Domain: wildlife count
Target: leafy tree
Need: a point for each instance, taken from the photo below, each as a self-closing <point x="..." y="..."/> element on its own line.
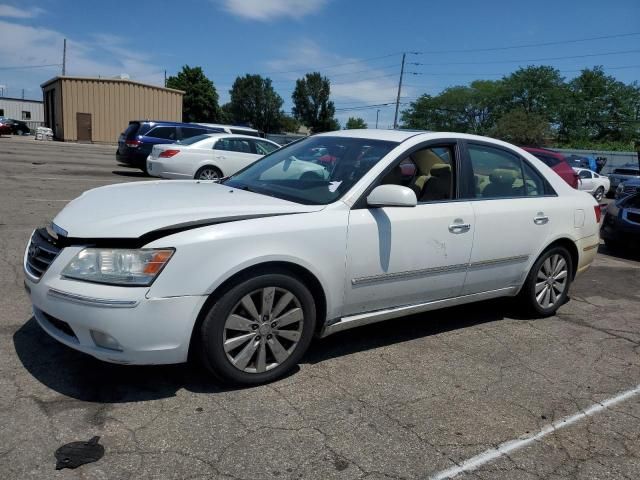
<point x="534" y="89"/>
<point x="255" y="102"/>
<point x="522" y="128"/>
<point x="601" y="109"/>
<point x="311" y="104"/>
<point x="355" y="122"/>
<point x="200" y="101"/>
<point x="289" y="124"/>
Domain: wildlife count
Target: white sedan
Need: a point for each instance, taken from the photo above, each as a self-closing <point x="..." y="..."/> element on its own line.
<point x="207" y="157"/>
<point x="335" y="231"/>
<point x="592" y="182"/>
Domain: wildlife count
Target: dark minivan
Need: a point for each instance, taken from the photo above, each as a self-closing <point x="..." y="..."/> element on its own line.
<point x="136" y="142"/>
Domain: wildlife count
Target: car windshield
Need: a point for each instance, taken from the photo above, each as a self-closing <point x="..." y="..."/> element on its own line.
<point x="314" y="171"/>
<point x="192" y="140"/>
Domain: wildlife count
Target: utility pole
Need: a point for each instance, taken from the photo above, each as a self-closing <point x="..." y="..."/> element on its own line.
<point x="395" y="118"/>
<point x="64" y="57"/>
<point x="165" y="78"/>
<point x="377" y="113"/>
<point x="23" y="94"/>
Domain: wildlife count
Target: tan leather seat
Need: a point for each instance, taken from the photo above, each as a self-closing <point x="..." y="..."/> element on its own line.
<point x="438" y="185"/>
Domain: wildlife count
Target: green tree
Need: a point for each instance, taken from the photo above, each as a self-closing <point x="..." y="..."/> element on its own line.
<point x="289" y="124"/>
<point x="255" y="102"/>
<point x="468" y="109"/>
<point x="522" y="128"/>
<point x="600" y="109"/>
<point x="311" y="104"/>
<point x="200" y="101"/>
<point x="355" y="122"/>
<point x="534" y="89"/>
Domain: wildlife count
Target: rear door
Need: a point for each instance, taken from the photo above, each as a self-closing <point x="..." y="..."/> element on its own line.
<point x="232" y="154"/>
<point x="515" y="211"/>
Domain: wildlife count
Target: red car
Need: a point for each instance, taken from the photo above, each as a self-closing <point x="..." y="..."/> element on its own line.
<point x="5" y="128"/>
<point x="557" y="162"/>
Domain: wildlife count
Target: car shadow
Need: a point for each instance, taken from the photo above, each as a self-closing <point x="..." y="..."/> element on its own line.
<point x="84" y="378"/>
<point x="130" y="173"/>
<point x="622" y="254"/>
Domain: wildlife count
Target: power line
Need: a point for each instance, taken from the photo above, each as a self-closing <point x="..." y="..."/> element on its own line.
<point x="529" y="45"/>
<point x="27" y="67"/>
<point x="619" y="52"/>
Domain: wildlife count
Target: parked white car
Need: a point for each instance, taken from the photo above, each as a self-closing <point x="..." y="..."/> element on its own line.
<point x="208" y="156"/>
<point x="332" y="232"/>
<point x="592" y="182"/>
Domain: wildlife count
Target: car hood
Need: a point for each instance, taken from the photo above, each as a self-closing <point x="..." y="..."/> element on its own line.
<point x="131" y="210"/>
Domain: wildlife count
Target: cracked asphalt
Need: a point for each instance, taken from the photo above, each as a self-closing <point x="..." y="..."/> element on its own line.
<point x="398" y="400"/>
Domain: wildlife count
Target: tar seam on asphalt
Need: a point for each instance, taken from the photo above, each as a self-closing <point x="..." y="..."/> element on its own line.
<point x="512" y="445"/>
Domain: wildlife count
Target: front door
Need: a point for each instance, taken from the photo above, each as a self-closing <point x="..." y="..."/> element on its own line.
<point x="406" y="255"/>
<point x="83" y="122"/>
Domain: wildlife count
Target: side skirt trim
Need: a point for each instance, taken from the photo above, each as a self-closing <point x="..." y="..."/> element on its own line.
<point x="367" y="318"/>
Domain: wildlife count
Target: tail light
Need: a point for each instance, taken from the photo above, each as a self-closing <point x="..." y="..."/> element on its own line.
<point x="598" y="210"/>
<point x="133" y="143"/>
<point x="168" y="153"/>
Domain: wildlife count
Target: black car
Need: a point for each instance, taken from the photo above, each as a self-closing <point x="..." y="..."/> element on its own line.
<point x="621" y="224"/>
<point x="18" y="127"/>
<point x="136" y="142"/>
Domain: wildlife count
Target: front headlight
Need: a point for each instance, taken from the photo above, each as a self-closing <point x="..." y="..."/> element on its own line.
<point x="118" y="266"/>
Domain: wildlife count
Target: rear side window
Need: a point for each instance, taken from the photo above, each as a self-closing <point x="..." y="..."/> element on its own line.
<point x="498" y="173"/>
<point x="585" y="174"/>
<point x="167" y="133"/>
<point x="233" y="145"/>
<point x="548" y="160"/>
<point x="188" y="132"/>
<point x="264" y="148"/>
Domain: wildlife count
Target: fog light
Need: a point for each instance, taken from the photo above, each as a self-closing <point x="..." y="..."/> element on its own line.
<point x="103" y="340"/>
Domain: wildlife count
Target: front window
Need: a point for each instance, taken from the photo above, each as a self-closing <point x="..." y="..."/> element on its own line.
<point x="314" y="171"/>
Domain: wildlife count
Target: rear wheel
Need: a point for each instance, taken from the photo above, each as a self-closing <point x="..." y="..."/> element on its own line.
<point x="258" y="330"/>
<point x="547" y="284"/>
<point x="599" y="193"/>
<point x="208" y="173"/>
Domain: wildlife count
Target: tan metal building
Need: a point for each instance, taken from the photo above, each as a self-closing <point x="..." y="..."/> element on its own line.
<point x="87" y="109"/>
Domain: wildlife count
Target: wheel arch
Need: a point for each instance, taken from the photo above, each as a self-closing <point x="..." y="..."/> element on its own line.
<point x="277" y="266"/>
<point x="571" y="247"/>
<point x="206" y="164"/>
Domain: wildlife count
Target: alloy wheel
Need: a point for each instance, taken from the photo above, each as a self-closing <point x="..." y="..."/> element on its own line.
<point x="209" y="174"/>
<point x="263" y="330"/>
<point x="551" y="281"/>
<point x="599" y="194"/>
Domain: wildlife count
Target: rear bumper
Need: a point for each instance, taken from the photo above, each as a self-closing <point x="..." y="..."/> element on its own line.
<point x="132" y="159"/>
<point x="587" y="251"/>
<point x="158" y="168"/>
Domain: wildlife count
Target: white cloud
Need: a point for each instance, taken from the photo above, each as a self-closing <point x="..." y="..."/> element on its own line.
<point x="9" y="11"/>
<point x="265" y="10"/>
<point x="101" y="55"/>
<point x="374" y="82"/>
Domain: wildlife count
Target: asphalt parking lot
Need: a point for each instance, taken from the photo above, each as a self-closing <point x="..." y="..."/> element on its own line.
<point x="410" y="398"/>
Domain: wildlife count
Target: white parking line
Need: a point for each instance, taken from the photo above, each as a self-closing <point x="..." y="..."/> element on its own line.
<point x="513" y="445"/>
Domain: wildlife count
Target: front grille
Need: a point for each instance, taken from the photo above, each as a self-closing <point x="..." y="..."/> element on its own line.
<point x="60" y="325"/>
<point x="43" y="249"/>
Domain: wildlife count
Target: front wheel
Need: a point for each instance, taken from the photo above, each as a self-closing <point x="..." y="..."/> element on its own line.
<point x="258" y="330"/>
<point x="599" y="194"/>
<point x="547" y="284"/>
<point x="208" y="173"/>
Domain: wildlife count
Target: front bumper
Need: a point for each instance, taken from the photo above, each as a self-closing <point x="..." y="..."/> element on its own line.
<point x="147" y="330"/>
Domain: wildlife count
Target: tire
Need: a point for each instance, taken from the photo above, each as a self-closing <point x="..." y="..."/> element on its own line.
<point x="538" y="282"/>
<point x="19" y="132"/>
<point x="239" y="339"/>
<point x="208" y="173"/>
<point x="599" y="194"/>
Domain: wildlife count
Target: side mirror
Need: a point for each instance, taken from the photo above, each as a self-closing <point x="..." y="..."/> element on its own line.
<point x="392" y="196"/>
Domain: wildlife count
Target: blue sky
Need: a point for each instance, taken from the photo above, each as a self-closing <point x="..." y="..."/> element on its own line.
<point x="357" y="43"/>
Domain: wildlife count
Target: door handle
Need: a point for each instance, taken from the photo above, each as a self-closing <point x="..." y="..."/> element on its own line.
<point x="540" y="219"/>
<point x="459" y="227"/>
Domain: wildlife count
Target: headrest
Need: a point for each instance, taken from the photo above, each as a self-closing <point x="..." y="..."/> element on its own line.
<point x="503" y="176"/>
<point x="440" y="170"/>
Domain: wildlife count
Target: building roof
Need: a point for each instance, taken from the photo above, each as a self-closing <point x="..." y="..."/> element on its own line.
<point x="13" y="99"/>
<point x="107" y="79"/>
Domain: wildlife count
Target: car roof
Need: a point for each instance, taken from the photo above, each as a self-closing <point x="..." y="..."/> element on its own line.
<point x="221" y="125"/>
<point x="238" y="135"/>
